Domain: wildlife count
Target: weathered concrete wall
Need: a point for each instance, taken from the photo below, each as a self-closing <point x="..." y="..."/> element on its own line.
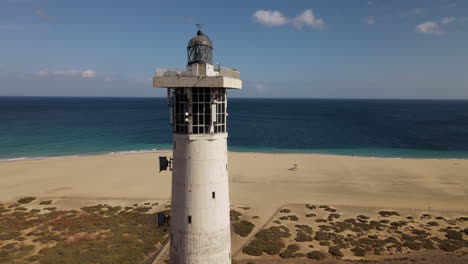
<point x="200" y="192"/>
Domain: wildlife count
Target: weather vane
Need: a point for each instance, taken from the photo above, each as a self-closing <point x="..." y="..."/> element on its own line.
<point x="200" y="26"/>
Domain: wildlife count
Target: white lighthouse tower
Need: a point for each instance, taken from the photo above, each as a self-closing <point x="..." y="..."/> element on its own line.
<point x="200" y="227"/>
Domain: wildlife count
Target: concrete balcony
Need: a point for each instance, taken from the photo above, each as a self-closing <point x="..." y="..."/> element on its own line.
<point x="203" y="75"/>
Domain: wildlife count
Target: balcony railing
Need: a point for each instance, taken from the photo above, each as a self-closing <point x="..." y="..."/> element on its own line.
<point x="194" y="72"/>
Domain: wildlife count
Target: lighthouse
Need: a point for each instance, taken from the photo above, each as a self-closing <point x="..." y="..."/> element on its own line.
<point x="197" y="102"/>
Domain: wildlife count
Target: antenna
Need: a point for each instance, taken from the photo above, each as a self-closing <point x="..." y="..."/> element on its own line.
<point x="199" y="26"/>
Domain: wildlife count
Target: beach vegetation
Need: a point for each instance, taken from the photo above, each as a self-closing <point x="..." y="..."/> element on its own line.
<point x="235" y="215"/>
<point x="333" y="216"/>
<point x="290" y="252"/>
<point x="48" y="202"/>
<point x="254" y="248"/>
<point x="273" y="247"/>
<point x="363" y="217"/>
<point x="359" y="251"/>
<point x="388" y="213"/>
<point x="316" y="255"/>
<point x="303" y="236"/>
<point x="335" y="251"/>
<point x="85" y="236"/>
<point x="268" y="240"/>
<point x="452" y="234"/>
<point x="243" y="228"/>
<point x="26" y="200"/>
<point x="450" y="245"/>
<point x="322" y="236"/>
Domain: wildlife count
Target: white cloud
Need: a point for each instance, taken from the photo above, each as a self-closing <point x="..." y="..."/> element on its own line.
<point x="270" y="18"/>
<point x="370" y="20"/>
<point x="429" y="27"/>
<point x="86" y="74"/>
<point x="42" y="13"/>
<point x="307" y="18"/>
<point x="448" y="20"/>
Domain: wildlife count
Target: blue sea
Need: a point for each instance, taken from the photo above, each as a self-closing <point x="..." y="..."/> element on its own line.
<point x="38" y="127"/>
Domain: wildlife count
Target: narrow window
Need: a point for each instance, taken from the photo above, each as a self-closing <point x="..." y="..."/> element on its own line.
<point x="213" y="195"/>
<point x="189" y="219"/>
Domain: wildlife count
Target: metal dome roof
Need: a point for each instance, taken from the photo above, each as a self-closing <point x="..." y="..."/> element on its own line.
<point x="200" y="39"/>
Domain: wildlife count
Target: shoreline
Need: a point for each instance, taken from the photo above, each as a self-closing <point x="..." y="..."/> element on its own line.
<point x="129" y="152"/>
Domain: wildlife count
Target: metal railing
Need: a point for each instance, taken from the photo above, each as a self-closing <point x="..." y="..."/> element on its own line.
<point x="194" y="72"/>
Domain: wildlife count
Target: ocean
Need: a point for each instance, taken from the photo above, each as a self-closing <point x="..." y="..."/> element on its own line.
<point x="40" y="127"/>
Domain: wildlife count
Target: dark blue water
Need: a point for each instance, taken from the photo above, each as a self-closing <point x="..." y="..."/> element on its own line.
<point x="43" y="127"/>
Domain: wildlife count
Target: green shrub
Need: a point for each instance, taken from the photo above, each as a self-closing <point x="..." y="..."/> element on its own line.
<point x="451" y="245"/>
<point x="142" y="209"/>
<point x="333" y="216"/>
<point x="452" y="234"/>
<point x="285" y="210"/>
<point x="317" y="255"/>
<point x="243" y="228"/>
<point x="388" y="213"/>
<point x="302" y="236"/>
<point x="289" y="251"/>
<point x="26" y="200"/>
<point x="335" y="251"/>
<point x="363" y="217"/>
<point x="273" y="233"/>
<point x="358" y="251"/>
<point x="320" y="236"/>
<point x="412" y="245"/>
<point x="428" y="244"/>
<point x="255" y="248"/>
<point x="234" y="215"/>
<point x="46" y="202"/>
<point x="273" y="247"/>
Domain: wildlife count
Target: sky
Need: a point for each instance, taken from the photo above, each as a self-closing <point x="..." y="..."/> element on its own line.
<point x="386" y="49"/>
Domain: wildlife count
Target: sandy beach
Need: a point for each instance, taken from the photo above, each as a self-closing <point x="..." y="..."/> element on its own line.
<point x="262" y="182"/>
<point x="256" y="179"/>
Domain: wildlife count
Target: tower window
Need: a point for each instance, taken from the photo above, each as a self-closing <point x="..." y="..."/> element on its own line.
<point x="189" y="219"/>
<point x="213" y="195"/>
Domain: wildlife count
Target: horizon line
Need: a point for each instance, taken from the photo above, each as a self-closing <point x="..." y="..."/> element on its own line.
<point x="269" y="98"/>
